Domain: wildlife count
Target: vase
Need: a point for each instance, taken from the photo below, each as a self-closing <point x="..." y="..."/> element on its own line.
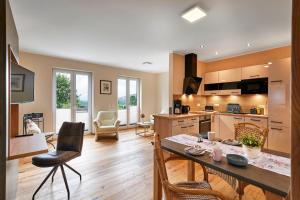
<point x="251" y="152"/>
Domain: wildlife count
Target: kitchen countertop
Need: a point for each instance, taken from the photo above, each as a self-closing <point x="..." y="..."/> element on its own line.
<point x="231" y="114"/>
<point x="179" y="116"/>
<point x="201" y="113"/>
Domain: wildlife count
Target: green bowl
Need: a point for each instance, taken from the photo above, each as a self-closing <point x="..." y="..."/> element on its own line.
<point x="237" y="160"/>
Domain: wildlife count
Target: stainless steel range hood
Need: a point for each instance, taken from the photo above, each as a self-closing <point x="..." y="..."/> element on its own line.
<point x="191" y="82"/>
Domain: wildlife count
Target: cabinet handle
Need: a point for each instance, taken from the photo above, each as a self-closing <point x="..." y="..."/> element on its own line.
<point x="238" y="118"/>
<point x="184" y="127"/>
<point x="278" y="129"/>
<point x="255" y="120"/>
<point x="180" y="120"/>
<point x="191" y="125"/>
<point x="194" y="119"/>
<point x="275" y="122"/>
<point x="254" y="76"/>
<point x="276" y="81"/>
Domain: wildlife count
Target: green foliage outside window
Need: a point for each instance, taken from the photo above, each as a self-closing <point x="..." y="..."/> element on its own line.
<point x="63" y="91"/>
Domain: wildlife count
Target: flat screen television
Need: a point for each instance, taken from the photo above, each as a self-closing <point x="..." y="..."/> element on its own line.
<point x="21" y="84"/>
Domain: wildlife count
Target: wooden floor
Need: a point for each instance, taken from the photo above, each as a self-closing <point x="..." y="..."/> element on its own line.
<point x="112" y="170"/>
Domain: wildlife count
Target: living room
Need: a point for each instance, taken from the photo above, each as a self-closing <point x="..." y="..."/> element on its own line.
<point x="93" y="93"/>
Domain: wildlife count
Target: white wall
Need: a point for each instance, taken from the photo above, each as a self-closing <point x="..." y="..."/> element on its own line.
<point x="43" y="66"/>
<point x="163" y="92"/>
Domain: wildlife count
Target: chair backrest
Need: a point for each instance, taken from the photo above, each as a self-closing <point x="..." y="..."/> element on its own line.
<point x="107" y="118"/>
<point x="160" y="162"/>
<point x="70" y="137"/>
<point x="241" y="129"/>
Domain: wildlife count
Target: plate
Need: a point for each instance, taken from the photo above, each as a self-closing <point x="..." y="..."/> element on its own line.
<point x="237" y="160"/>
<point x="195" y="152"/>
<point x="232" y="142"/>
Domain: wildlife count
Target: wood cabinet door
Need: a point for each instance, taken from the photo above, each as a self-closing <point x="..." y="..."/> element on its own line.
<point x="215" y="124"/>
<point x="227" y="125"/>
<point x="230" y="92"/>
<point x="261" y="122"/>
<point x="194" y="128"/>
<point x="256" y="71"/>
<point x="279" y="139"/>
<point x="280" y="71"/>
<point x="230" y="75"/>
<point x="211" y="77"/>
<point x="211" y="92"/>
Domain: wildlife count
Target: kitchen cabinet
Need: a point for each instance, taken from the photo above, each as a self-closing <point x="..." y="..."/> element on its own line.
<point x="215" y="124"/>
<point x="256" y="71"/>
<point x="230" y="75"/>
<point x="279" y="139"/>
<point x="230" y="92"/>
<point x="279" y="105"/>
<point x="185" y="126"/>
<point x="211" y="92"/>
<point x="211" y="77"/>
<point x="259" y="121"/>
<point x="227" y="125"/>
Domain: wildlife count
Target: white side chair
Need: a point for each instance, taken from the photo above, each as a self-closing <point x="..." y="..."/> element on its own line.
<point x="106" y="123"/>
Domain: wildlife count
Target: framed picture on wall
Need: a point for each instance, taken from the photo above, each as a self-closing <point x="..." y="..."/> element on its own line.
<point x="105" y="87"/>
<point x="17" y="82"/>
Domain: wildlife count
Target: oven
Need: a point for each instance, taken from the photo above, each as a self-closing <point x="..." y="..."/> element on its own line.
<point x="204" y="124"/>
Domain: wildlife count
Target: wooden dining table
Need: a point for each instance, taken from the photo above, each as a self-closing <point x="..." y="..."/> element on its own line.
<point x="275" y="185"/>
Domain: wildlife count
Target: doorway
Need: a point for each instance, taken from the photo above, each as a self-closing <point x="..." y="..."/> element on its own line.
<point x="128" y="100"/>
<point x="72" y="97"/>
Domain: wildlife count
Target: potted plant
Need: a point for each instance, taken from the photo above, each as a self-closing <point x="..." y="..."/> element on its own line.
<point x="251" y="145"/>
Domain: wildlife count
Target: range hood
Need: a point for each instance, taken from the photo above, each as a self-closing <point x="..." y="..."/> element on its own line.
<point x="191" y="82"/>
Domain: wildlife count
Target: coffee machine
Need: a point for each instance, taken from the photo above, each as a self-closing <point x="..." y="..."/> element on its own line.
<point x="177" y="107"/>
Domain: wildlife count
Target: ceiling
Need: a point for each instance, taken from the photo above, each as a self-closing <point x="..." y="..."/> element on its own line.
<point x="126" y="33"/>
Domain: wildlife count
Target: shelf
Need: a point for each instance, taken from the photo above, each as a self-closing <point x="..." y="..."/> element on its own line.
<point x="21" y="147"/>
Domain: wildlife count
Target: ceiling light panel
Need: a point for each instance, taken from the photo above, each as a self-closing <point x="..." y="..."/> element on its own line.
<point x="194" y="14"/>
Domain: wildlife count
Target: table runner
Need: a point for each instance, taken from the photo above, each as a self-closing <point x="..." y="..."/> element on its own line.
<point x="277" y="164"/>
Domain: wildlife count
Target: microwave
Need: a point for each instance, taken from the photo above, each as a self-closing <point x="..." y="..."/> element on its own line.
<point x="254" y="86"/>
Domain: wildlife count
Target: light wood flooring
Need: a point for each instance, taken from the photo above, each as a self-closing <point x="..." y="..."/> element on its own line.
<point x="113" y="170"/>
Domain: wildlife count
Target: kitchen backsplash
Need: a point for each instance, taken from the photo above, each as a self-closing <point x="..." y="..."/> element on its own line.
<point x="220" y="102"/>
<point x="246" y="102"/>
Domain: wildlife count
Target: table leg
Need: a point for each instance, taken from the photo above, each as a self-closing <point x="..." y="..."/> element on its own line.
<point x="157" y="185"/>
<point x="272" y="196"/>
<point x="191" y="171"/>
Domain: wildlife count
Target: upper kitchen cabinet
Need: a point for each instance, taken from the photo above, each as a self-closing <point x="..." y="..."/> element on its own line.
<point x="230" y="75"/>
<point x="211" y="77"/>
<point x="256" y="71"/>
<point x="177" y="73"/>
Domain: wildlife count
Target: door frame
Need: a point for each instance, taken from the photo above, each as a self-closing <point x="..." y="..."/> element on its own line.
<point x="73" y="73"/>
<point x="3" y="99"/>
<point x="138" y="90"/>
<point x="295" y="108"/>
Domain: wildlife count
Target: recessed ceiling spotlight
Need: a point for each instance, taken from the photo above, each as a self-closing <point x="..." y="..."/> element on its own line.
<point x="217" y="53"/>
<point x="248" y="44"/>
<point x="202" y="46"/>
<point x="270" y="63"/>
<point x="193" y="14"/>
<point x="147" y="63"/>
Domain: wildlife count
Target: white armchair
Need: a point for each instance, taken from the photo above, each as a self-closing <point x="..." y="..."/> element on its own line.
<point x="106" y="123"/>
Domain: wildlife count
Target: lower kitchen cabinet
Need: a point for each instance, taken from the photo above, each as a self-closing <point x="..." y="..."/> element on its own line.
<point x="261" y="122"/>
<point x="227" y="125"/>
<point x="279" y="139"/>
<point x="215" y="124"/>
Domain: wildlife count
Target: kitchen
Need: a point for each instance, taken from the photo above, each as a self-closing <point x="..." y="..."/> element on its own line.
<point x="252" y="88"/>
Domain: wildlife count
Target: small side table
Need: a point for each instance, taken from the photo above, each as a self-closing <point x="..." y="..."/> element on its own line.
<point x="146" y="126"/>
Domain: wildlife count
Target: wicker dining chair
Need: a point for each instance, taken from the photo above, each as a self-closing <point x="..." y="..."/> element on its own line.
<point x="239" y="130"/>
<point x="183" y="190"/>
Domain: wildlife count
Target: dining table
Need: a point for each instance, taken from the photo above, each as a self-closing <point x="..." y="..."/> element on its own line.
<point x="271" y="174"/>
